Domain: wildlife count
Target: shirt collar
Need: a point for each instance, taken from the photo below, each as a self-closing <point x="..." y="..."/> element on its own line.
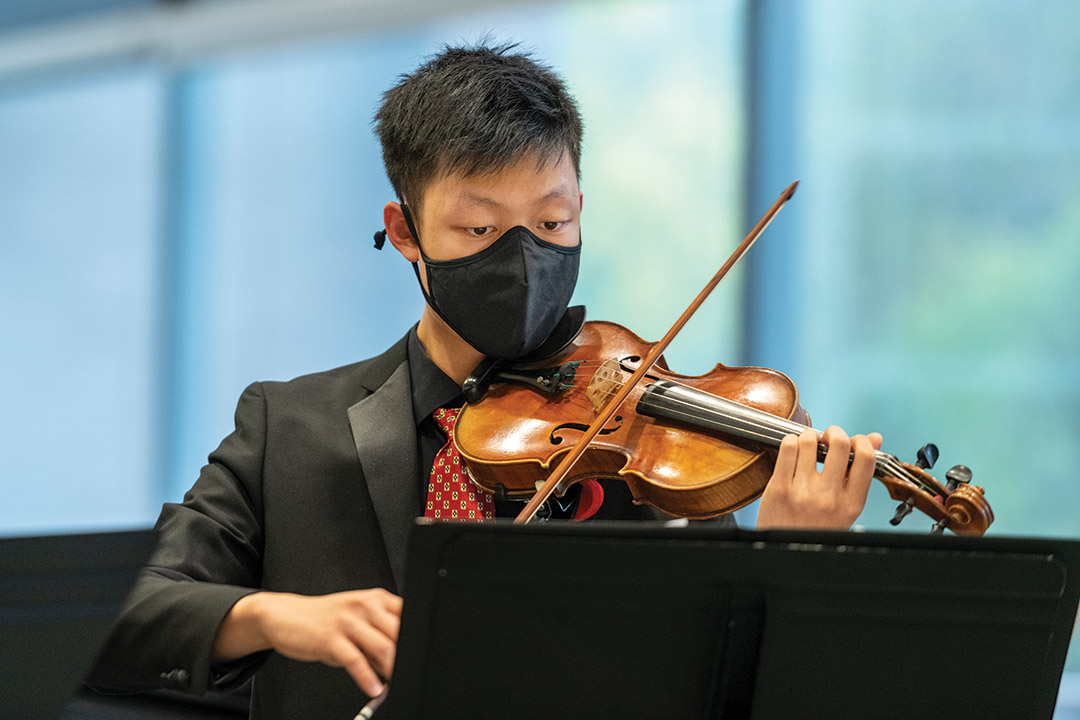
<point x="431" y="387"/>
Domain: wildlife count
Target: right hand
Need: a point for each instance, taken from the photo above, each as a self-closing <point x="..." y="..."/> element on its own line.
<point x="356" y="630"/>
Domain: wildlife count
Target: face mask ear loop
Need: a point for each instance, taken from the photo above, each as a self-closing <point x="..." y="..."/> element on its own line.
<point x="416" y="266"/>
<point x="412" y="228"/>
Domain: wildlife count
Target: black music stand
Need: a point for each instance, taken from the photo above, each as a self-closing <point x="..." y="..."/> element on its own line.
<point x="618" y="620"/>
<point x="59" y="596"/>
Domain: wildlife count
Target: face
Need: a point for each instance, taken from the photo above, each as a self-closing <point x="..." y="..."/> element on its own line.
<point x="461" y="215"/>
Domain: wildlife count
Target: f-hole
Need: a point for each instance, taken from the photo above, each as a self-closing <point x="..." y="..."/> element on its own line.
<point x="555" y="439"/>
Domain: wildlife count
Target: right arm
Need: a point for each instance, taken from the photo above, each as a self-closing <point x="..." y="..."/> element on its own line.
<point x="356" y="630"/>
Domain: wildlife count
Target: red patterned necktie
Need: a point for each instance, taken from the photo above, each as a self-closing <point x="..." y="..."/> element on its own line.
<point x="451" y="493"/>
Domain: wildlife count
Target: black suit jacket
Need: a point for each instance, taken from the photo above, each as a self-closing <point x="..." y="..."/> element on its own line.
<point x="313" y="493"/>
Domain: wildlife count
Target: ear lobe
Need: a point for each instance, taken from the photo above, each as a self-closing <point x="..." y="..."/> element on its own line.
<point x="397" y="231"/>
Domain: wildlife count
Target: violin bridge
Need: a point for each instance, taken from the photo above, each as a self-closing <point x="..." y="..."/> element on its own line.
<point x="605" y="382"/>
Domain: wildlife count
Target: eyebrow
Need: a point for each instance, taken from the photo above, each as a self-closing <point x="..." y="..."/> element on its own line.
<point x="473" y="199"/>
<point x="563" y="191"/>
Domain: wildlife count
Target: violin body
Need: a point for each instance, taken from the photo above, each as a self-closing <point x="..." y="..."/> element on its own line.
<point x="693" y="446"/>
<point x="514" y="435"/>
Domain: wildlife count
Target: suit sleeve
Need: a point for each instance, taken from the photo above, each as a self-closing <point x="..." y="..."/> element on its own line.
<point x="209" y="555"/>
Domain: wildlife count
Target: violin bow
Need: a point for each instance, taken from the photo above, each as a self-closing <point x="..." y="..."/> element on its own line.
<point x="563" y="468"/>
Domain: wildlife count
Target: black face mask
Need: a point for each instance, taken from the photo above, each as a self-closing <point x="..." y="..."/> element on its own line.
<point x="506" y="299"/>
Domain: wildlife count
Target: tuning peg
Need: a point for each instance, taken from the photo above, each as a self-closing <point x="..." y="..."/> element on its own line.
<point x="928" y="455"/>
<point x="958" y="475"/>
<point x="903" y="510"/>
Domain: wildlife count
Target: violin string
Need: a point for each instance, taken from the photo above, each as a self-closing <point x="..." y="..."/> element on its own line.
<point x="690" y="416"/>
<point x="772" y="434"/>
<point x="885" y="464"/>
<point x="764" y="432"/>
<point x="760" y="430"/>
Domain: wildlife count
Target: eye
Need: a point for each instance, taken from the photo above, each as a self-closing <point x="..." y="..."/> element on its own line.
<point x="553" y="225"/>
<point x="479" y="231"/>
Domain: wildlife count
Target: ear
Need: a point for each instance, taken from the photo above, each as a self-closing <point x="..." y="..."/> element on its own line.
<point x="397" y="232"/>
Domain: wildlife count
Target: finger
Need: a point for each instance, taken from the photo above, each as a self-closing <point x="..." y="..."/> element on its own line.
<point x="836" y="461"/>
<point x="383" y="597"/>
<point x="393" y="603"/>
<point x="346" y="655"/>
<point x="386" y="621"/>
<point x="375" y="597"/>
<point x="389" y="620"/>
<point x="378" y="607"/>
<point x="806" y="464"/>
<point x="786" y="459"/>
<point x="876" y="440"/>
<point x="379" y="649"/>
<point x="862" y="467"/>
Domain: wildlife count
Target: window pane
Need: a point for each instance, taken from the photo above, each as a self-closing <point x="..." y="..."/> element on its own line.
<point x="931" y="261"/>
<point x="79" y="214"/>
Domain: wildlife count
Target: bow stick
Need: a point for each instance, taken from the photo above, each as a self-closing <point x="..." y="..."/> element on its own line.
<point x="613" y="405"/>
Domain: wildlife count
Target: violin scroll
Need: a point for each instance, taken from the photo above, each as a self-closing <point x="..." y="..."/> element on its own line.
<point x="969" y="513"/>
<point x="960" y="506"/>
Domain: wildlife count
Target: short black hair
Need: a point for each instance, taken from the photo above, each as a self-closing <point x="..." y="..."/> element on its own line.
<point x="474" y="110"/>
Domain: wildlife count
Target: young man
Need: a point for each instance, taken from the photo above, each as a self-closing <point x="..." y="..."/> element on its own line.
<point x="286" y="554"/>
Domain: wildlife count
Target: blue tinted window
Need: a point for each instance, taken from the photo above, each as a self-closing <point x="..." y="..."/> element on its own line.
<point x="79" y="302"/>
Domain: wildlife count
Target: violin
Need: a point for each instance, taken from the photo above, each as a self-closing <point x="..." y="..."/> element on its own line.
<point x="693" y="446"/>
<point x="604" y="404"/>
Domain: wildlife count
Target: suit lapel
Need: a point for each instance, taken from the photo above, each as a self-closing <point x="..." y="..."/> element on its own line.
<point x="384" y="431"/>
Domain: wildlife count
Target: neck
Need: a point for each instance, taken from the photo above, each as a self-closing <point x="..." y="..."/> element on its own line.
<point x="701" y="409"/>
<point x="447" y="350"/>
